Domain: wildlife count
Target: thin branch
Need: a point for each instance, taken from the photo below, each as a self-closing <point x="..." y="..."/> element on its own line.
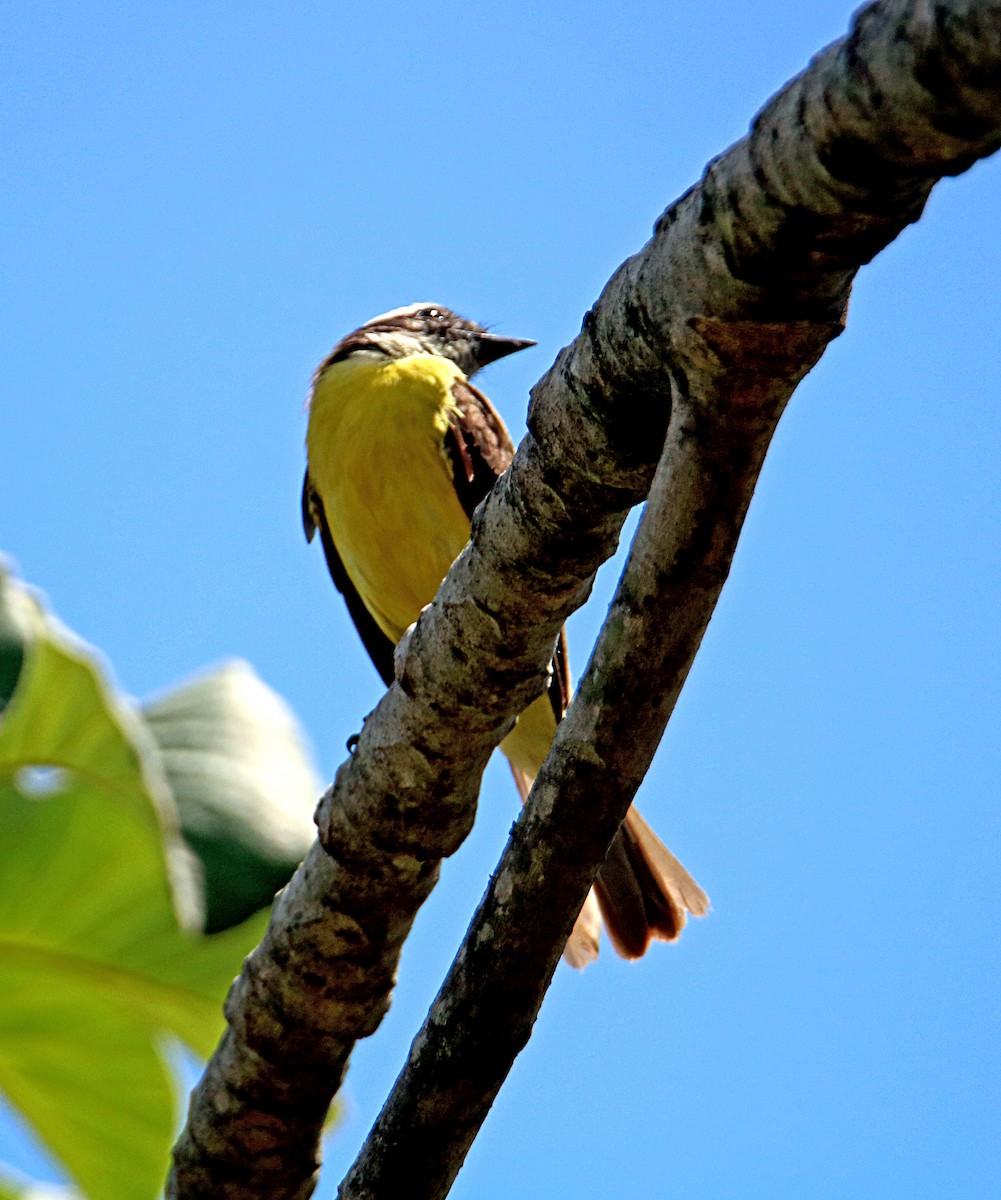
<point x="719" y="433"/>
<point x="744" y="282"/>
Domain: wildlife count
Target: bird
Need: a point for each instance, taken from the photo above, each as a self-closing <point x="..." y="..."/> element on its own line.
<point x="400" y="449"/>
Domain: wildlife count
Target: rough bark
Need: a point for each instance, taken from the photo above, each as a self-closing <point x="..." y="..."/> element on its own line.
<point x="703" y="335"/>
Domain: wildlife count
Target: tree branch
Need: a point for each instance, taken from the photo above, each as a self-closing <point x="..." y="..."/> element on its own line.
<point x="738" y="383"/>
<point x="711" y="325"/>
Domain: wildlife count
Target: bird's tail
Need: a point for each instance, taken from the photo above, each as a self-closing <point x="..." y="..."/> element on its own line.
<point x="642" y="891"/>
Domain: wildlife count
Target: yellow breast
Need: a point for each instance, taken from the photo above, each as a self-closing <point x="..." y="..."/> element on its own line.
<point x="376" y="454"/>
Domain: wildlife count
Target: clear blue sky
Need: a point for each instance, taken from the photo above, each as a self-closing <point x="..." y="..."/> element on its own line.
<point x="200" y="199"/>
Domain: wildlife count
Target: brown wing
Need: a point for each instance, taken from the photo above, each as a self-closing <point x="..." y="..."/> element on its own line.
<point x="378" y="645"/>
<point x="480" y="450"/>
<point x="477" y="443"/>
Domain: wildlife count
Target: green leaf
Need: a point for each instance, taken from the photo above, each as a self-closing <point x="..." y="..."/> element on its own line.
<point x="244" y="785"/>
<point x="95" y="969"/>
<point x="15" y="627"/>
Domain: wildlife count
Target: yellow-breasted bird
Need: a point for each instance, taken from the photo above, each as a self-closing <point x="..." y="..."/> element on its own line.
<point x="401" y="448"/>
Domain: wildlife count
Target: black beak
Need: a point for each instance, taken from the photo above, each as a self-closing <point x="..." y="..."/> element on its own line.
<point x="490" y="347"/>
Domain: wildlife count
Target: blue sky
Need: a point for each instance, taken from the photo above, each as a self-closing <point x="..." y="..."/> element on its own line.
<point x="202" y="199"/>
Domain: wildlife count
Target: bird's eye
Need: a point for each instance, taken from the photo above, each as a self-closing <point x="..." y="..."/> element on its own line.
<point x="431" y="314"/>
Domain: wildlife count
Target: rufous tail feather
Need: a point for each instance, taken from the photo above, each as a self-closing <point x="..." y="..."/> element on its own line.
<point x="642" y="891"/>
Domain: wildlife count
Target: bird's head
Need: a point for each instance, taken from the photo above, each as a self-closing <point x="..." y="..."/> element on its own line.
<point x="427" y="329"/>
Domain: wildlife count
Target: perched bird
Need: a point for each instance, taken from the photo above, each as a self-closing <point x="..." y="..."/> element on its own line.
<point x="401" y="448"/>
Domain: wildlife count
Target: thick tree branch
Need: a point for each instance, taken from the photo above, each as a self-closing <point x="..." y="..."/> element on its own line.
<point x="720" y="315"/>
